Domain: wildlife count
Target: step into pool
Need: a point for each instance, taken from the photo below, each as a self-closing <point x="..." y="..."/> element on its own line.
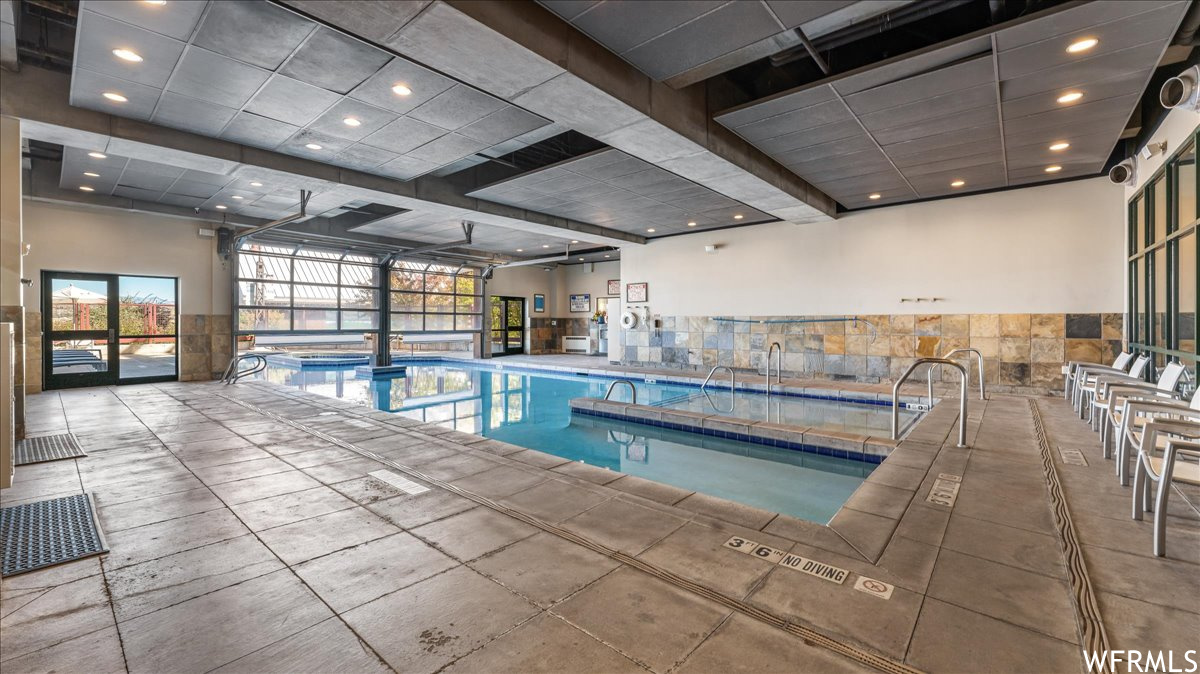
<point x="530" y="408"/>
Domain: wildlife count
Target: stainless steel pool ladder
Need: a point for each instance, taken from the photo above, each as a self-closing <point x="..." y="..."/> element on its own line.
<point x="732" y="377"/>
<point x="962" y="395"/>
<point x="778" y="365"/>
<point x="233" y="372"/>
<point x="632" y="390"/>
<point x="978" y="362"/>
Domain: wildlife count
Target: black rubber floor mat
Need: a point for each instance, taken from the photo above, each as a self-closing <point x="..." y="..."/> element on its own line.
<point x="45" y="533"/>
<point x="48" y="448"/>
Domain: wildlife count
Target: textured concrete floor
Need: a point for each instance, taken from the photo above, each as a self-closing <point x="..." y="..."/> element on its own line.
<point x="240" y="543"/>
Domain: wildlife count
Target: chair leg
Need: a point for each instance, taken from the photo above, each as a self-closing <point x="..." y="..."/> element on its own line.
<point x="1139" y="487"/>
<point x="1123" y="451"/>
<point x="1106" y="438"/>
<point x="1160" y="505"/>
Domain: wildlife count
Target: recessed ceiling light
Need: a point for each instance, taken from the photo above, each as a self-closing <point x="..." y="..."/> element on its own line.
<point x="238" y="197"/>
<point x="1060" y="146"/>
<point x="650" y="230"/>
<point x="520" y="250"/>
<point x="1053" y="169"/>
<point x="155" y="2"/>
<point x="85" y="188"/>
<point x="221" y="207"/>
<point x="875" y="196"/>
<point x="401" y="89"/>
<point x="314" y="146"/>
<point x="1070" y="97"/>
<point x="545" y="245"/>
<point x="91" y="174"/>
<point x="1082" y="45"/>
<point x="113" y="96"/>
<point x="691" y="224"/>
<point x="256" y="184"/>
<point x="739" y="216"/>
<point x="581" y="259"/>
<point x="350" y="121"/>
<point x="574" y="242"/>
<point x="607" y="256"/>
<point x="127" y="55"/>
<point x="98" y="155"/>
<point x="958" y="183"/>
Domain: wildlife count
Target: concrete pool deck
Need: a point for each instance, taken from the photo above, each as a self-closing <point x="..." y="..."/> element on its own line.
<point x="242" y="541"/>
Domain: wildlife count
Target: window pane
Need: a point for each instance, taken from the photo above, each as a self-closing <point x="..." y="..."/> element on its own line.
<point x="360" y="298"/>
<point x="265" y="267"/>
<point x="147" y="305"/>
<point x="324" y="297"/>
<point x="77" y="304"/>
<point x="408" y="302"/>
<point x="1159" y="213"/>
<point x="150" y="357"/>
<point x="441" y="304"/>
<point x="468" y="285"/>
<point x="78" y="356"/>
<point x="313" y="271"/>
<point x="468" y="322"/>
<point x="1186" y="312"/>
<point x="1186" y="182"/>
<point x="1160" y="297"/>
<point x="408" y="280"/>
<point x="438" y="322"/>
<point x="439" y="283"/>
<point x="258" y="294"/>
<point x="468" y="304"/>
<point x="316" y="319"/>
<point x="1138" y="230"/>
<point x="355" y="275"/>
<point x="360" y="320"/>
<point x="264" y="319"/>
<point x="401" y="322"/>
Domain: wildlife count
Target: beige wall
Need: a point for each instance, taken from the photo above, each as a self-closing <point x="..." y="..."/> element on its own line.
<point x="1054" y="248"/>
<point x="576" y="279"/>
<point x="10" y="211"/>
<point x="76" y="238"/>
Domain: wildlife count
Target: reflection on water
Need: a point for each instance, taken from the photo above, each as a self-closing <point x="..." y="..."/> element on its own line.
<point x="532" y="411"/>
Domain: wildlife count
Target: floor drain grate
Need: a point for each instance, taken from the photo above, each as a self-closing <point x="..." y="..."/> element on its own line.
<point x="45" y="533"/>
<point x="48" y="448"/>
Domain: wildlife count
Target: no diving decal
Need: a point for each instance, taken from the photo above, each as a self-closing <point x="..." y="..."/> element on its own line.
<point x="791" y="561"/>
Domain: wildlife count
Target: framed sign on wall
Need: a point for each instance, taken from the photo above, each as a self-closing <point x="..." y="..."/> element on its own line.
<point x="636" y="292"/>
<point x="581" y="303"/>
<point x="539" y="304"/>
<point x="614" y="287"/>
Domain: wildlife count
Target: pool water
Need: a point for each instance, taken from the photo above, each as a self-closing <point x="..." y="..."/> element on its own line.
<point x="530" y="409"/>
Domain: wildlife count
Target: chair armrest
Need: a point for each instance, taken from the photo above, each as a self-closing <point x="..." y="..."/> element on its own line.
<point x="1189" y="429"/>
<point x="1116" y="396"/>
<point x="1146" y="408"/>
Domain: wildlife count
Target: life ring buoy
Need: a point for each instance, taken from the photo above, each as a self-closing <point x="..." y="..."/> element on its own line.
<point x="629" y="320"/>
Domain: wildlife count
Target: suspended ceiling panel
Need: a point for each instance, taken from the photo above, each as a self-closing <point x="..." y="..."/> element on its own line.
<point x="671" y="40"/>
<point x="983" y="111"/>
<point x="435" y="228"/>
<point x="257" y="74"/>
<point x="610" y="188"/>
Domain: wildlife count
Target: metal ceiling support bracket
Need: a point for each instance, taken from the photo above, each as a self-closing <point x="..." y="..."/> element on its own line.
<point x="305" y="195"/>
<point x="812" y="51"/>
<point x="468" y="227"/>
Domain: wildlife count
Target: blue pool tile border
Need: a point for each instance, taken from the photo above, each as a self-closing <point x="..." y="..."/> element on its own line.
<point x="740" y="437"/>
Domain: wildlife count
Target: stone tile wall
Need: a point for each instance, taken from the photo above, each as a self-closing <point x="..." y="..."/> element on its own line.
<point x="1022" y="352"/>
<point x="547" y="338"/>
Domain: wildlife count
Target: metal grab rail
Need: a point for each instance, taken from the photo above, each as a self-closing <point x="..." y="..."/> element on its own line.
<point x="233" y="373"/>
<point x="732" y="377"/>
<point x="978" y="362"/>
<point x="962" y="396"/>
<point x="713" y="403"/>
<point x="778" y="366"/>
<point x="632" y="390"/>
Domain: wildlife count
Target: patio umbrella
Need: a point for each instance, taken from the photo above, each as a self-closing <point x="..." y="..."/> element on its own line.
<point x="78" y="296"/>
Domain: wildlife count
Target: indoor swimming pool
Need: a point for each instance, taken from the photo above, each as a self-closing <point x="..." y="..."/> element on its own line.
<point x="530" y="409"/>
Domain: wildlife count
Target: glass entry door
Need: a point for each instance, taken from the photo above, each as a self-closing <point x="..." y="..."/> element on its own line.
<point x="508" y="325"/>
<point x="103" y="329"/>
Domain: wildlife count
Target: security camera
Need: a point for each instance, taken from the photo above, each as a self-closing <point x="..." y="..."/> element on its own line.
<point x="1182" y="91"/>
<point x="1152" y="149"/>
<point x="1124" y="173"/>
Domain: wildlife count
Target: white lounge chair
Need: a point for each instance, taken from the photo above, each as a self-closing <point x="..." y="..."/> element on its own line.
<point x="1180" y="462"/>
<point x="1133" y="430"/>
<point x="1165" y="387"/>
<point x="1114" y="396"/>
<point x="1120" y="364"/>
<point x="1086" y="376"/>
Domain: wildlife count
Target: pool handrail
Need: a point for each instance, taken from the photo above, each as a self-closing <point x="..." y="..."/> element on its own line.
<point x="233" y="373"/>
<point x="962" y="396"/>
<point x="978" y="362"/>
<point x="778" y="366"/>
<point x="632" y="390"/>
<point x="732" y="377"/>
